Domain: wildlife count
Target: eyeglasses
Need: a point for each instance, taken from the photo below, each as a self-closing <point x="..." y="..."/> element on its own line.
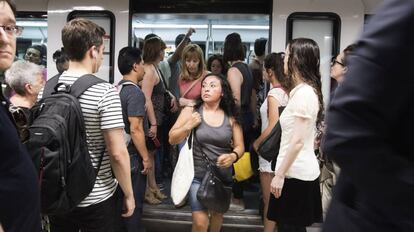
<point x="333" y="61"/>
<point x="12" y="30"/>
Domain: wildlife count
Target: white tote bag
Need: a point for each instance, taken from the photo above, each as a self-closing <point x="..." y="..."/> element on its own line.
<point x="183" y="173"/>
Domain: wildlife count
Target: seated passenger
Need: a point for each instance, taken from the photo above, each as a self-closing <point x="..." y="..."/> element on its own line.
<point x="217" y="135"/>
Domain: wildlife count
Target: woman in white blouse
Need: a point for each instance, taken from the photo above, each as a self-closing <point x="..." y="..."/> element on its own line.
<point x="296" y="201"/>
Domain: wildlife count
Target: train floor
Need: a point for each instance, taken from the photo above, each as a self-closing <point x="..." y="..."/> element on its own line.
<point x="166" y="217"/>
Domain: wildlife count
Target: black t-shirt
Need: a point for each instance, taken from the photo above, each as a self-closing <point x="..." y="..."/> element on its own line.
<point x="19" y="188"/>
<point x="133" y="105"/>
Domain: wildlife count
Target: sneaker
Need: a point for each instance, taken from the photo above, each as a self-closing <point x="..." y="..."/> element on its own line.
<point x="237" y="204"/>
<point x="161" y="186"/>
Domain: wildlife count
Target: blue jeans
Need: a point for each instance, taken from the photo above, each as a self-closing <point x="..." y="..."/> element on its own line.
<point x="192" y="196"/>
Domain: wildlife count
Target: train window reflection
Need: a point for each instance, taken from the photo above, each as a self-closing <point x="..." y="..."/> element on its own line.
<point x="211" y="29"/>
<point x="34" y="33"/>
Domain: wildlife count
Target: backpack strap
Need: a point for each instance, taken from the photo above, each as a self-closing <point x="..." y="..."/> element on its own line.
<point x="83" y="83"/>
<point x="50" y="85"/>
<point x="121" y="86"/>
<point x="78" y="87"/>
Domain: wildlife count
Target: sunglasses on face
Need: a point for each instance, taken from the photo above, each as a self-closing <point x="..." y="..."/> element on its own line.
<point x="21" y="121"/>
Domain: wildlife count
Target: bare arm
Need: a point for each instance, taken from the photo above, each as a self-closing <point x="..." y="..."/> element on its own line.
<point x="119" y="157"/>
<point x="187" y="120"/>
<point x="186" y="102"/>
<point x="235" y="80"/>
<point x="226" y="160"/>
<point x="138" y="137"/>
<point x="253" y="103"/>
<point x="273" y="118"/>
<point x="148" y="84"/>
<point x="179" y="50"/>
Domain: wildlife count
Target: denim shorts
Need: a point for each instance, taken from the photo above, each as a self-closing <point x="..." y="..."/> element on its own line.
<point x="192" y="196"/>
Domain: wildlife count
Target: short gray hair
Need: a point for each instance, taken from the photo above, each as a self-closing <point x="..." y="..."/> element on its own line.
<point x="21" y="73"/>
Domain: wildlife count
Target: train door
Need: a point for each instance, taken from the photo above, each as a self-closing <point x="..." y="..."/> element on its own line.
<point x="213" y="21"/>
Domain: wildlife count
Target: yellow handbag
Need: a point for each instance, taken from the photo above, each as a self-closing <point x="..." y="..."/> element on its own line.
<point x="243" y="168"/>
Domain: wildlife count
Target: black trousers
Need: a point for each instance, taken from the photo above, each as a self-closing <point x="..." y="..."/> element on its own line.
<point x="289" y="228"/>
<point x="139" y="182"/>
<point x="95" y="218"/>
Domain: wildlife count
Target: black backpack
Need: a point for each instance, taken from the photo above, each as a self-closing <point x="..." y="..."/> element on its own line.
<point x="58" y="146"/>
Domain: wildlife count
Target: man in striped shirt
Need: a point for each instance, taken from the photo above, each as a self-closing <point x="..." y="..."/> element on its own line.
<point x="101" y="108"/>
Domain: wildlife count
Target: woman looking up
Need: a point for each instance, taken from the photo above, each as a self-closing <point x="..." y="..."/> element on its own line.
<point x="218" y="136"/>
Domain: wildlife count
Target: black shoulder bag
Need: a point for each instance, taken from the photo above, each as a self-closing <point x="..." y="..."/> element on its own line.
<point x="167" y="96"/>
<point x="213" y="193"/>
<point x="269" y="147"/>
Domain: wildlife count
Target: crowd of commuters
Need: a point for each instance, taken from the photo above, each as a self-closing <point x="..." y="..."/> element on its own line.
<point x="229" y="107"/>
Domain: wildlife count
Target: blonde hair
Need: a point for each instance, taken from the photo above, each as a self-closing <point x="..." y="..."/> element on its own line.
<point x="192" y="50"/>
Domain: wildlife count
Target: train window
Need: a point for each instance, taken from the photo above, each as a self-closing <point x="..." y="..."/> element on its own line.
<point x="105" y="19"/>
<point x="211" y="29"/>
<point x="324" y="28"/>
<point x="34" y="33"/>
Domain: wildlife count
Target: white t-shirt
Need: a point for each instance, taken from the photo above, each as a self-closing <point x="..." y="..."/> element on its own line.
<point x="303" y="102"/>
<point x="282" y="98"/>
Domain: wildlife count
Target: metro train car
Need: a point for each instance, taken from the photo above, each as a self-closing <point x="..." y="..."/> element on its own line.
<point x="333" y="24"/>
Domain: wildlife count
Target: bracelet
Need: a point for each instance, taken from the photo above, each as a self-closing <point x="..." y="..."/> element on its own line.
<point x="153" y="124"/>
<point x="237" y="156"/>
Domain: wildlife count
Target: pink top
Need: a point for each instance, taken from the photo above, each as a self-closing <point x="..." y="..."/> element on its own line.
<point x="194" y="93"/>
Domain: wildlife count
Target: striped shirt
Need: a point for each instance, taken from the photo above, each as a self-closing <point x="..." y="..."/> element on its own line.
<point x="101" y="109"/>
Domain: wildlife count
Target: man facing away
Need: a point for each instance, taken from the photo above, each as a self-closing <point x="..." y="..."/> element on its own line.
<point x="19" y="191"/>
<point x="101" y="108"/>
<point x="370" y="128"/>
<point x="131" y="66"/>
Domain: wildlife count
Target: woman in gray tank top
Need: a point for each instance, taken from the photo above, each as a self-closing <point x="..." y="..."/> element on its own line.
<point x="218" y="134"/>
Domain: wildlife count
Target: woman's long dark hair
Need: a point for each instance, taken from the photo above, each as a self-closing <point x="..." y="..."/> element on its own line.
<point x="304" y="61"/>
<point x="274" y="61"/>
<point x="227" y="102"/>
<point x="233" y="48"/>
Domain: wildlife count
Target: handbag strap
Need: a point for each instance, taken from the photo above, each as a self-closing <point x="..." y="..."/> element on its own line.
<point x="209" y="162"/>
<point x="162" y="79"/>
<point x="191" y="86"/>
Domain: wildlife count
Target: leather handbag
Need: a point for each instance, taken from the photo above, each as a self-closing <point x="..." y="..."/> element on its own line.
<point x="213" y="193"/>
<point x="183" y="174"/>
<point x="269" y="148"/>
